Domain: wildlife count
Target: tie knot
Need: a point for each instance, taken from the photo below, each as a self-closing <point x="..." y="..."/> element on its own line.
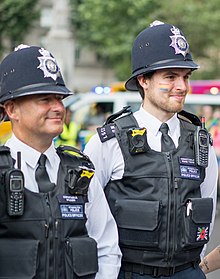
<point x="164" y="128"/>
<point x="42" y="160"/>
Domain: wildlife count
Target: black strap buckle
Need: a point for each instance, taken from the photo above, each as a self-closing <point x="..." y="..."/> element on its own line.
<point x="161" y="271"/>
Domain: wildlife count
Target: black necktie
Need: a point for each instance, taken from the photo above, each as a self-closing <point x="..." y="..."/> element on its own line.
<point x="42" y="177"/>
<point x="167" y="143"/>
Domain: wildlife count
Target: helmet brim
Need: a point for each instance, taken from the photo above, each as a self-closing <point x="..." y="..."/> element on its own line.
<point x="37" y="89"/>
<point x="131" y="83"/>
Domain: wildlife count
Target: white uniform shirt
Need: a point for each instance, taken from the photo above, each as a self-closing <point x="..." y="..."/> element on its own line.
<point x="100" y="224"/>
<point x="109" y="163"/>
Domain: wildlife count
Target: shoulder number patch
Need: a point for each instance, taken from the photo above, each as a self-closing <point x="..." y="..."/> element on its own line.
<point x="106" y="132"/>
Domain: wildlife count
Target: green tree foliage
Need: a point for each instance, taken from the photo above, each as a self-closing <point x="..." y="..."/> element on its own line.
<point x="16" y="18"/>
<point x="110" y="26"/>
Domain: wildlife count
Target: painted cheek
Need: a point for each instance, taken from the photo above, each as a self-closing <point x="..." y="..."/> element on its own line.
<point x="163" y="87"/>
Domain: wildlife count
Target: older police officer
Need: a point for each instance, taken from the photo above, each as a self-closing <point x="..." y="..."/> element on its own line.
<point x="157" y="165"/>
<point x="54" y="218"/>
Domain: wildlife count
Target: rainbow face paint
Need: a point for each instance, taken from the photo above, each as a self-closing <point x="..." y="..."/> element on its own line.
<point x="164" y="87"/>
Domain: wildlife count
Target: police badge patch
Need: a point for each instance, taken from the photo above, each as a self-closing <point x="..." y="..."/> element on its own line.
<point x="48" y="64"/>
<point x="179" y="42"/>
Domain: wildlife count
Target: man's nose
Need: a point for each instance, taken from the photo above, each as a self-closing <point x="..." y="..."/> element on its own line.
<point x="181" y="84"/>
<point x="57" y="104"/>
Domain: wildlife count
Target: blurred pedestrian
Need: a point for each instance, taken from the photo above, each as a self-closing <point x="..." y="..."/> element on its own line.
<point x="70" y="134"/>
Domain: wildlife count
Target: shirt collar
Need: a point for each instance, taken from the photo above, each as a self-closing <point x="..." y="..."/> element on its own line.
<point x="153" y="124"/>
<point x="29" y="154"/>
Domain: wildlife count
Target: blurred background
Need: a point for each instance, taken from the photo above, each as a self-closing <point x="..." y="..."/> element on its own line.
<point x="92" y="39"/>
<point x="92" y="42"/>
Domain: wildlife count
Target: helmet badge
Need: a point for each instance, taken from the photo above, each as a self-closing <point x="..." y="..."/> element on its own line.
<point x="48" y="64"/>
<point x="179" y="42"/>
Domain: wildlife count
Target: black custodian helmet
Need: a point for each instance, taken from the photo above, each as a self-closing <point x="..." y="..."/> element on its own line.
<point x="30" y="70"/>
<point x="160" y="46"/>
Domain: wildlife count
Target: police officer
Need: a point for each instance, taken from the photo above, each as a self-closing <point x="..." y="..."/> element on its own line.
<point x="157" y="165"/>
<point x="54" y="218"/>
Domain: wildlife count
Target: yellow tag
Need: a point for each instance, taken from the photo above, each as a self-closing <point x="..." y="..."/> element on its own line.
<point x="138" y="132"/>
<point x="87" y="173"/>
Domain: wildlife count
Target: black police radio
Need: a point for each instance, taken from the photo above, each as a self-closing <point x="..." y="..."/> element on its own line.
<point x="201" y="139"/>
<point x="14" y="182"/>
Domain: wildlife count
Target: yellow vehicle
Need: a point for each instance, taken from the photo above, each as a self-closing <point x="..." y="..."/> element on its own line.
<point x="5" y="131"/>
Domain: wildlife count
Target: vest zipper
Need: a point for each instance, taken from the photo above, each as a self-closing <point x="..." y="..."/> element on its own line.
<point x="167" y="256"/>
<point x="172" y="198"/>
<point x="175" y="216"/>
<point x="46" y="226"/>
<point x="49" y="237"/>
<point x="56" y="249"/>
<point x="171" y="241"/>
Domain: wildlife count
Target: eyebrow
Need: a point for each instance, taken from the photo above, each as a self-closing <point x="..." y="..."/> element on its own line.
<point x="176" y="72"/>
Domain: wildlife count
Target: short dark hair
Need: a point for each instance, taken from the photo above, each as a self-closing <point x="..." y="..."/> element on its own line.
<point x="140" y="88"/>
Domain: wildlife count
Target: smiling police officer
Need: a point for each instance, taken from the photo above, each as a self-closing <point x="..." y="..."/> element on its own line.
<point x="54" y="218"/>
<point x="157" y="165"/>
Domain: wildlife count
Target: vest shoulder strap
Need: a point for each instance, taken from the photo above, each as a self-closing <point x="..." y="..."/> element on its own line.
<point x="6" y="160"/>
<point x="73" y="157"/>
<point x="126" y="121"/>
<point x="189" y="117"/>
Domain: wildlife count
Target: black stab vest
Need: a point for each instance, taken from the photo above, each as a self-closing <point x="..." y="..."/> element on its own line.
<point x="161" y="217"/>
<point x="44" y="243"/>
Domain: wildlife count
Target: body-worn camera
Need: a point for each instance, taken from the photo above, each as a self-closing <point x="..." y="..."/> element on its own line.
<point x="79" y="180"/>
<point x="14" y="182"/>
<point x="137" y="140"/>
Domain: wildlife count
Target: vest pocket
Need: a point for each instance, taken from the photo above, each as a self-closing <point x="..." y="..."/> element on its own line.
<point x="81" y="258"/>
<point x="138" y="223"/>
<point x="18" y="258"/>
<point x="197" y="217"/>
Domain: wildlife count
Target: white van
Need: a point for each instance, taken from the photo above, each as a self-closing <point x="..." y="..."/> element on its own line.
<point x="81" y="104"/>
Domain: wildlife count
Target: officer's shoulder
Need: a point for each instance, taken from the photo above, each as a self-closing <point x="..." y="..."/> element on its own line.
<point x="189" y="118"/>
<point x="70" y="155"/>
<point x="107" y="131"/>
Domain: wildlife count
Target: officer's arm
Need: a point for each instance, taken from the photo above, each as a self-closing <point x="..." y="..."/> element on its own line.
<point x="212" y="261"/>
<point x="102" y="227"/>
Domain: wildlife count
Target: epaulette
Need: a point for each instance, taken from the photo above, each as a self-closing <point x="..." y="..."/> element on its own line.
<point x="107" y="131"/>
<point x="189" y="117"/>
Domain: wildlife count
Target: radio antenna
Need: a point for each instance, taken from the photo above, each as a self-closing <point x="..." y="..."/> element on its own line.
<point x="203" y="122"/>
<point x="19" y="160"/>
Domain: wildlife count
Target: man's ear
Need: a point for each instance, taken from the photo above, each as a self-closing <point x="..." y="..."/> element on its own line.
<point x="10" y="109"/>
<point x="143" y="82"/>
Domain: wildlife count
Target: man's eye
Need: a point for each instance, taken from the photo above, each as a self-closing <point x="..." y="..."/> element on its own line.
<point x="44" y="99"/>
<point x="170" y="77"/>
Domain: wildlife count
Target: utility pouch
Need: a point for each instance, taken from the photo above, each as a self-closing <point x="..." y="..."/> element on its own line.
<point x="81" y="258"/>
<point x="18" y="258"/>
<point x="197" y="219"/>
<point x="139" y="223"/>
